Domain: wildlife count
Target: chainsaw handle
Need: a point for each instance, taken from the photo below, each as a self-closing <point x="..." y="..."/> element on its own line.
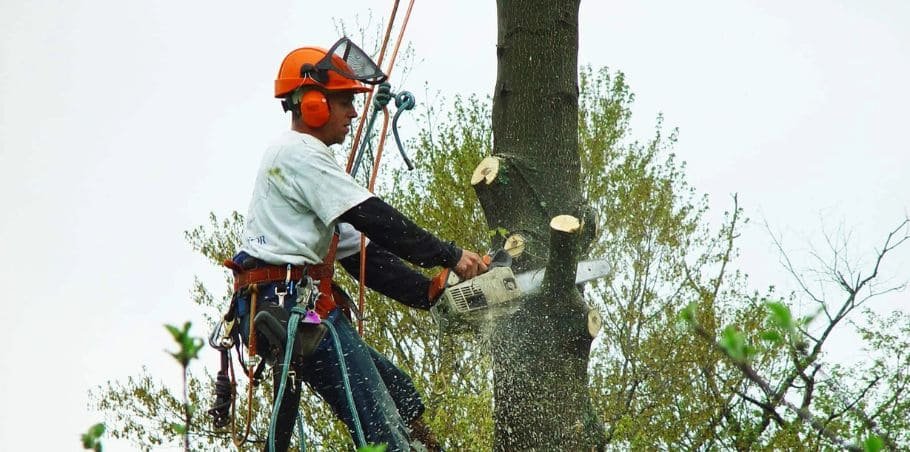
<point x="439" y="282"/>
<point x="438" y="285"/>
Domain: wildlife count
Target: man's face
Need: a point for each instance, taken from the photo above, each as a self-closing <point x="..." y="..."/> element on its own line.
<point x="341" y="112"/>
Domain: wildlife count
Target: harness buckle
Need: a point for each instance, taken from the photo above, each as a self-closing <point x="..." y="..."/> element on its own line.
<point x="284" y="287"/>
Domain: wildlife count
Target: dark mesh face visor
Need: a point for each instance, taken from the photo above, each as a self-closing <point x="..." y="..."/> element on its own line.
<point x="359" y="65"/>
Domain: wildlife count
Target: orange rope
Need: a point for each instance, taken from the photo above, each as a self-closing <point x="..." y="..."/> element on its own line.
<point x="385" y="125"/>
<point x="385" y="42"/>
<point x="361" y="305"/>
<point x="250" y="371"/>
<point x="404" y="25"/>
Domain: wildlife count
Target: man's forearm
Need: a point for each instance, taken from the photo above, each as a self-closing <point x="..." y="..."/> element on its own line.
<point x="388" y="275"/>
<point x="393" y="231"/>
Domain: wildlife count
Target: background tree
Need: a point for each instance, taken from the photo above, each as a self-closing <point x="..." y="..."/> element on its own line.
<point x="804" y="400"/>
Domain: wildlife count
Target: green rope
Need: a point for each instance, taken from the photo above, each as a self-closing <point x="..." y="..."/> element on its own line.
<point x="296" y="312"/>
<point x="347" y="385"/>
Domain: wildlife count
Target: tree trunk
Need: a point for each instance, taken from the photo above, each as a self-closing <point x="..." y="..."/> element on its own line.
<point x="531" y="196"/>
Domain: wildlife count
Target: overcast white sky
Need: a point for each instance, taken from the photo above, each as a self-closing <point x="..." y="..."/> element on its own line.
<point x="122" y="124"/>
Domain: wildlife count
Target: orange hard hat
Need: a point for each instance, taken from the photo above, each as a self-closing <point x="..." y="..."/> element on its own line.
<point x="342" y="68"/>
<point x="299" y="69"/>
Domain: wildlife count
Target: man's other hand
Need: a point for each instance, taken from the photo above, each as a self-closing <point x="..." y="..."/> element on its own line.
<point x="470" y="265"/>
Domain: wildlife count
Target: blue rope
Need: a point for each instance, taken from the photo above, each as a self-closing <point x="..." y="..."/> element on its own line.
<point x="300" y="433"/>
<point x="347" y="384"/>
<point x="403" y="101"/>
<point x="296" y="311"/>
<point x="364" y="143"/>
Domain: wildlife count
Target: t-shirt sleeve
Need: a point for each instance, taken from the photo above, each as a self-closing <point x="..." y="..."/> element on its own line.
<point x="321" y="185"/>
<point x="348" y="241"/>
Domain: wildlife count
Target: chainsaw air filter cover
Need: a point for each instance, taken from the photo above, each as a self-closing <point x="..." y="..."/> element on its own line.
<point x="473" y="300"/>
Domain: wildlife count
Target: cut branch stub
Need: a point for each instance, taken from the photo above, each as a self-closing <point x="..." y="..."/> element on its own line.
<point x="515" y="245"/>
<point x="565" y="223"/>
<point x="595" y="322"/>
<point x="486" y="171"/>
<point x="563" y="262"/>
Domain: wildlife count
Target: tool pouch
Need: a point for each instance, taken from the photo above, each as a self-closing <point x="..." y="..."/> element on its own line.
<point x="271" y="330"/>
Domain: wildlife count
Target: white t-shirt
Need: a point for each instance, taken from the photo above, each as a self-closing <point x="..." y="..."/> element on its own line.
<point x="299" y="194"/>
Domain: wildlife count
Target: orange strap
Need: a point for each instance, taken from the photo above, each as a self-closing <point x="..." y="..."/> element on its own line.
<point x="324" y="273"/>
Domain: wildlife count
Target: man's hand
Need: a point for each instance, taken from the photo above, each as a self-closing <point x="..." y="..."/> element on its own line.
<point x="470" y="265"/>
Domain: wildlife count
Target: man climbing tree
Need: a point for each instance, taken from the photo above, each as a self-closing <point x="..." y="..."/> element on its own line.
<point x="532" y="181"/>
<point x="301" y="219"/>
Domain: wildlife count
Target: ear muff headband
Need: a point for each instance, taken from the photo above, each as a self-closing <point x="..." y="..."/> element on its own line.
<point x="314" y="108"/>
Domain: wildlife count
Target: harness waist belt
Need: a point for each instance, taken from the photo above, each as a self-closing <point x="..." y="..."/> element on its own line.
<point x="272" y="273"/>
<point x="269" y="273"/>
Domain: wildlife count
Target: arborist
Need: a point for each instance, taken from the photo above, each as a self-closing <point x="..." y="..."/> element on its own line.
<point x="306" y="212"/>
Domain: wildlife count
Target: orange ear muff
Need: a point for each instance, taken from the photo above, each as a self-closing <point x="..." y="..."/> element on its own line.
<point x="314" y="108"/>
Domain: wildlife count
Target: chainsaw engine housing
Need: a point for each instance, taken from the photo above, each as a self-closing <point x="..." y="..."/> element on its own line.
<point x="467" y="303"/>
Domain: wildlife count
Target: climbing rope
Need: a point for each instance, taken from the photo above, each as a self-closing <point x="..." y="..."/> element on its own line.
<point x="404" y="101"/>
<point x="358" y="429"/>
<point x="296" y="313"/>
<point x="382" y="48"/>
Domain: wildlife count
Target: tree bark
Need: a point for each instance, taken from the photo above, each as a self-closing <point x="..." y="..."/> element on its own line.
<point x="531" y="192"/>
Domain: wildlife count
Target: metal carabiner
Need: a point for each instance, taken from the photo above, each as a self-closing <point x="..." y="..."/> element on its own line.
<point x="221" y="338"/>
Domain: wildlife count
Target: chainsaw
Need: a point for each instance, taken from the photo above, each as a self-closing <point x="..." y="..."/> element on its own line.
<point x="465" y="305"/>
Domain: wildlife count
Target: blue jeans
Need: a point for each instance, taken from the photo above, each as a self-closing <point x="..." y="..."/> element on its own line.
<point x="385" y="398"/>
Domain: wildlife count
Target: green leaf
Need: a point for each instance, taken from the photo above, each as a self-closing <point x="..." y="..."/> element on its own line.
<point x="772" y="336"/>
<point x="97" y="430"/>
<point x="174" y="331"/>
<point x="734" y="344"/>
<point x="780" y="315"/>
<point x="178" y="428"/>
<point x="92" y="438"/>
<point x="189" y="345"/>
<point x="373" y="448"/>
<point x="688" y="314"/>
<point x="873" y="444"/>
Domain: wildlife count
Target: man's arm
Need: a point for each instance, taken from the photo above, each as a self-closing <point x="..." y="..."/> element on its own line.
<point x="388" y="275"/>
<point x="391" y="230"/>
